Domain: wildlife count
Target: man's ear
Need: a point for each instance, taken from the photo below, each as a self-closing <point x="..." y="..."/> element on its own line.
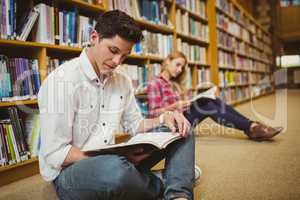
<point x="94" y="38"/>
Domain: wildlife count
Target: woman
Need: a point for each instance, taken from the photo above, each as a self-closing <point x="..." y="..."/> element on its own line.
<point x="166" y="92"/>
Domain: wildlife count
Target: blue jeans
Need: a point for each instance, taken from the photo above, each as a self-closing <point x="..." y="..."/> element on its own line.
<point x="113" y="177"/>
<point x="219" y="111"/>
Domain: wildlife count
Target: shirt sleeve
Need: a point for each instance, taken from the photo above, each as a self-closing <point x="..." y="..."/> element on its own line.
<point x="154" y="97"/>
<point x="56" y="120"/>
<point x="132" y="116"/>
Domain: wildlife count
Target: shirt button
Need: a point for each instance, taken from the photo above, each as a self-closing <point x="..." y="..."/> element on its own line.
<point x="105" y="141"/>
<point x="103" y="124"/>
<point x="121" y="97"/>
<point x="97" y="81"/>
<point x="91" y="106"/>
<point x="102" y="106"/>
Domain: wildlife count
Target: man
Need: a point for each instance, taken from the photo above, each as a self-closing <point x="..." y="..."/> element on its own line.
<point x="83" y="103"/>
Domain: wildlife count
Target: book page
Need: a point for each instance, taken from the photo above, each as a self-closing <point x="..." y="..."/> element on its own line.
<point x="210" y="93"/>
<point x="157" y="139"/>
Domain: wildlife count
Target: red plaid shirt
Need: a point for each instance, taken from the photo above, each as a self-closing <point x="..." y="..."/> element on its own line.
<point x="160" y="94"/>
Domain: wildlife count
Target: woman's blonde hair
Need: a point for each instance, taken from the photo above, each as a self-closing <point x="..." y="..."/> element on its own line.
<point x="179" y="82"/>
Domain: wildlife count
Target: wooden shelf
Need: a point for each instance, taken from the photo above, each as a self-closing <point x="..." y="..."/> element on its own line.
<point x="198" y="64"/>
<point x="155" y="27"/>
<point x="226" y="49"/>
<point x="22" y="44"/>
<point x="11" y="173"/>
<point x="15" y="103"/>
<point x="86" y="6"/>
<point x="192" y="39"/>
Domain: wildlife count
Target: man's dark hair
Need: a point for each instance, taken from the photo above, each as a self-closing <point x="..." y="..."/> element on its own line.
<point x="116" y="22"/>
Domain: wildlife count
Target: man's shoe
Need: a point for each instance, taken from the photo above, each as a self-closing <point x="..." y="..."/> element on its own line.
<point x="261" y="132"/>
<point x="159" y="174"/>
<point x="198" y="173"/>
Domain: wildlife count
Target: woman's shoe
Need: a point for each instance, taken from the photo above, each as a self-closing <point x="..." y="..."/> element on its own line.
<point x="260" y="132"/>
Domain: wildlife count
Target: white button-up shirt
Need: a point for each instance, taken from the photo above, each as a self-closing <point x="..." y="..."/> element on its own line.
<point x="76" y="109"/>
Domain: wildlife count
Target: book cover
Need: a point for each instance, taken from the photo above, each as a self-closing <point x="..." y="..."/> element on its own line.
<point x="148" y="141"/>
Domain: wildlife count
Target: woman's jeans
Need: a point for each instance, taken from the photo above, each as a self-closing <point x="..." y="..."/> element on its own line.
<point x="113" y="177"/>
<point x="219" y="111"/>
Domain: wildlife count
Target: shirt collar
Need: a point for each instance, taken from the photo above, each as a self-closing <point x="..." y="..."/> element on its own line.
<point x="88" y="68"/>
<point x="163" y="79"/>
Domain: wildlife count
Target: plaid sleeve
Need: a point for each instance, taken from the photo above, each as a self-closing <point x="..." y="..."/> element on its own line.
<point x="154" y="97"/>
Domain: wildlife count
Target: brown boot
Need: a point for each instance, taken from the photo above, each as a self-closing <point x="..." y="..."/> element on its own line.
<point x="260" y="132"/>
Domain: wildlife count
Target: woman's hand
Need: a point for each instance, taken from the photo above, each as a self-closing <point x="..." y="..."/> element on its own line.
<point x="182" y="105"/>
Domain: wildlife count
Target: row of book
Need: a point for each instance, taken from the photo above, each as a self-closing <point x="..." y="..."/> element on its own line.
<point x="225" y="40"/>
<point x="53" y="63"/>
<point x="230" y="78"/>
<point x="13" y="147"/>
<point x="140" y="74"/>
<point x="154" y="44"/>
<point x="190" y="26"/>
<point x="62" y="27"/>
<point x="232" y="27"/>
<point x="225" y="23"/>
<point x="155" y="11"/>
<point x="227" y="7"/>
<point x="204" y="76"/>
<point x="232" y="95"/>
<point x="195" y="6"/>
<point x="241" y="48"/>
<point x="47" y="24"/>
<point x="8" y="21"/>
<point x="19" y="140"/>
<point x="251" y="65"/>
<point x="194" y="53"/>
<point x="255" y="78"/>
<point x="230" y="61"/>
<point x="19" y="78"/>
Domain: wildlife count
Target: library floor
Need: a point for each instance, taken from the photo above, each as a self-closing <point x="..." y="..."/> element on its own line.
<point x="233" y="167"/>
<point x="236" y="168"/>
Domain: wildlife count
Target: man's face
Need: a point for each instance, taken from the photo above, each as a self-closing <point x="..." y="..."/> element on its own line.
<point x="108" y="53"/>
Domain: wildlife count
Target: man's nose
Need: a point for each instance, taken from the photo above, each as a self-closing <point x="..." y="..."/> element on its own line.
<point x="117" y="59"/>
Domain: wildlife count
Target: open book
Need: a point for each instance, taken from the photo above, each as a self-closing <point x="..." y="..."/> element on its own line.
<point x="210" y="93"/>
<point x="148" y="141"/>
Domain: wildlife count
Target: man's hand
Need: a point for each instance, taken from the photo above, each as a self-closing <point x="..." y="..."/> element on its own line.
<point x="176" y="119"/>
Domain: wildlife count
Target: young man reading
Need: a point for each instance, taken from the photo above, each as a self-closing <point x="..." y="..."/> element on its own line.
<point x="83" y="103"/>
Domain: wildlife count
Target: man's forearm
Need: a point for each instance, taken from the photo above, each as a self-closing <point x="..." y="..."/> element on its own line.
<point x="74" y="155"/>
<point x="148" y="124"/>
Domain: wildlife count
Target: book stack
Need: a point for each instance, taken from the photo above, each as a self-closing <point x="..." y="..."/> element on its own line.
<point x="20" y="78"/>
<point x="13" y="147"/>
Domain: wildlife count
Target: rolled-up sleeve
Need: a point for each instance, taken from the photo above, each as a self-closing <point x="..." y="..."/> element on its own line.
<point x="56" y="115"/>
<point x="132" y="116"/>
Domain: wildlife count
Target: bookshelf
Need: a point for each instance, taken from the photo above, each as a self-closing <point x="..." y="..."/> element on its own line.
<point x="249" y="51"/>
